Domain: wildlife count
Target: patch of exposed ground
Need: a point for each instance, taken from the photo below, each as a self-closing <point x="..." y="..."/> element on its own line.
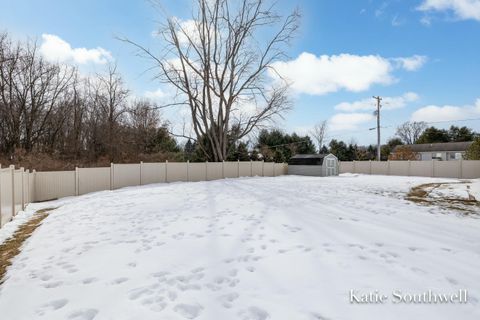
<point x="11" y="247"/>
<point x="431" y="194"/>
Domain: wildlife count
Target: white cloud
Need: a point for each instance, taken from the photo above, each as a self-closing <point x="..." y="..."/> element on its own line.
<point x="324" y="74"/>
<point x="434" y="113"/>
<point x="155" y="95"/>
<point x="462" y="9"/>
<point x="388" y="103"/>
<point x="53" y="48"/>
<point x="412" y="63"/>
<point x="348" y="121"/>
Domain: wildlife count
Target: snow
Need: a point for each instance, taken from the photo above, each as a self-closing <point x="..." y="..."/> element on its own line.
<point x="253" y="248"/>
<point x="461" y="190"/>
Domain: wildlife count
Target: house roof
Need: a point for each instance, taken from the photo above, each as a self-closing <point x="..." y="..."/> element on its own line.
<point x="435" y="147"/>
<point x="307" y="159"/>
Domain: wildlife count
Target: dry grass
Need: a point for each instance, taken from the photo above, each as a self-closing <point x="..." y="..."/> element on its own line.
<point x="420" y="194"/>
<point x="11" y="247"/>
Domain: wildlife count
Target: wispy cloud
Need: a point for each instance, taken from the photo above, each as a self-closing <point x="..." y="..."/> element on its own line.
<point x="461" y="9"/>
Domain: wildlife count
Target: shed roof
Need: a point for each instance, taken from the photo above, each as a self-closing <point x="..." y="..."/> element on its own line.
<point x="307" y="159"/>
<point x="433" y="147"/>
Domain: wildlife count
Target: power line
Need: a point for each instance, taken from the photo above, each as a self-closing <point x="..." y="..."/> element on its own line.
<point x="360" y="131"/>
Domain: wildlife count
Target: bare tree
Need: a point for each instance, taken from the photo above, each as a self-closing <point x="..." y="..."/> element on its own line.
<point x="318" y="133"/>
<point x="218" y="65"/>
<point x="108" y="105"/>
<point x="409" y="132"/>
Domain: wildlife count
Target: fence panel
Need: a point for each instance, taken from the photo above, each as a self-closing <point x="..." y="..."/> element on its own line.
<point x="257" y="168"/>
<point x="345" y="166"/>
<point x="362" y="167"/>
<point x="418" y="168"/>
<point x="399" y="168"/>
<point x="26" y="196"/>
<point x="280" y="169"/>
<point x="379" y="167"/>
<point x="230" y="169"/>
<point x="470" y="169"/>
<point x="245" y="168"/>
<point x="125" y="175"/>
<point x="446" y="169"/>
<point x="197" y="171"/>
<point x="93" y="179"/>
<point x="177" y="171"/>
<point x="54" y="184"/>
<point x="268" y="169"/>
<point x="153" y="173"/>
<point x="214" y="170"/>
<point x="31" y="186"/>
<point x="18" y="174"/>
<point x="6" y="204"/>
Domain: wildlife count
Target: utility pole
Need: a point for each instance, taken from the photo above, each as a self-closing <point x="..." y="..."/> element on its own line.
<point x="378" y="98"/>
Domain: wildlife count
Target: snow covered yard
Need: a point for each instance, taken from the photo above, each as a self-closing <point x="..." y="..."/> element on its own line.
<point x="255" y="248"/>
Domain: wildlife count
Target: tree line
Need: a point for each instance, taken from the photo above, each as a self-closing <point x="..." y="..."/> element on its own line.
<point x="52" y="112"/>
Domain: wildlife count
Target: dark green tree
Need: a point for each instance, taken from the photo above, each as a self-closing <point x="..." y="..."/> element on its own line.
<point x="433" y="135"/>
<point x="473" y="151"/>
<point x="460" y="134"/>
<point x="339" y="149"/>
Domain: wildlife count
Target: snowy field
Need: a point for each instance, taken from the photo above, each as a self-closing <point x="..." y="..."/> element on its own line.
<point x="287" y="248"/>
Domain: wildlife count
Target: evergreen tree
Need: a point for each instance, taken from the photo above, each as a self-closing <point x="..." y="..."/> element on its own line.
<point x="473" y="151"/>
<point x="458" y="134"/>
<point x="433" y="135"/>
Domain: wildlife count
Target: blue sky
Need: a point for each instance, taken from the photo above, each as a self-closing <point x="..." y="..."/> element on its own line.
<point x="423" y="56"/>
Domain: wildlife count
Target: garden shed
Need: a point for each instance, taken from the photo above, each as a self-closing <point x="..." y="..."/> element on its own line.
<point x="320" y="165"/>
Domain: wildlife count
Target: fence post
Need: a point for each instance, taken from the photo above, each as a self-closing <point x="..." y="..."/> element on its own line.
<point x="112" y="175"/>
<point x="274" y="165"/>
<point x="0" y="195"/>
<point x="388" y="167"/>
<point x="223" y="169"/>
<point x="12" y="174"/>
<point x="166" y="170"/>
<point x="409" y="170"/>
<point x="188" y="170"/>
<point x="460" y="168"/>
<point x="370" y="166"/>
<point x="251" y="168"/>
<point x="263" y="167"/>
<point x="22" y="169"/>
<point x="27" y="197"/>
<point x="34" y="172"/>
<point x="141" y="163"/>
<point x="206" y="170"/>
<point x="353" y="166"/>
<point x="238" y="168"/>
<point x="77" y="178"/>
<point x="433" y="168"/>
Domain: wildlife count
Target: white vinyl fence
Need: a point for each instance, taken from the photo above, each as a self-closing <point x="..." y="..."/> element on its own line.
<point x="19" y="187"/>
<point x="462" y="169"/>
<point x="16" y="191"/>
<point x="56" y="184"/>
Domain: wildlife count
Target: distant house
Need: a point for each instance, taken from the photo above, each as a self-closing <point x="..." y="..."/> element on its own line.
<point x="437" y="151"/>
<point x="313" y="165"/>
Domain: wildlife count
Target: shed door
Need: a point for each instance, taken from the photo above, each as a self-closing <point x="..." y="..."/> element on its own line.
<point x="331" y="167"/>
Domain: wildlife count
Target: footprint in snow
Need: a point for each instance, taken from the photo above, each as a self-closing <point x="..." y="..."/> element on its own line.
<point x="52" y="306"/>
<point x="189" y="311"/>
<point x="119" y="280"/>
<point x="254" y="313"/>
<point x="85" y="314"/>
